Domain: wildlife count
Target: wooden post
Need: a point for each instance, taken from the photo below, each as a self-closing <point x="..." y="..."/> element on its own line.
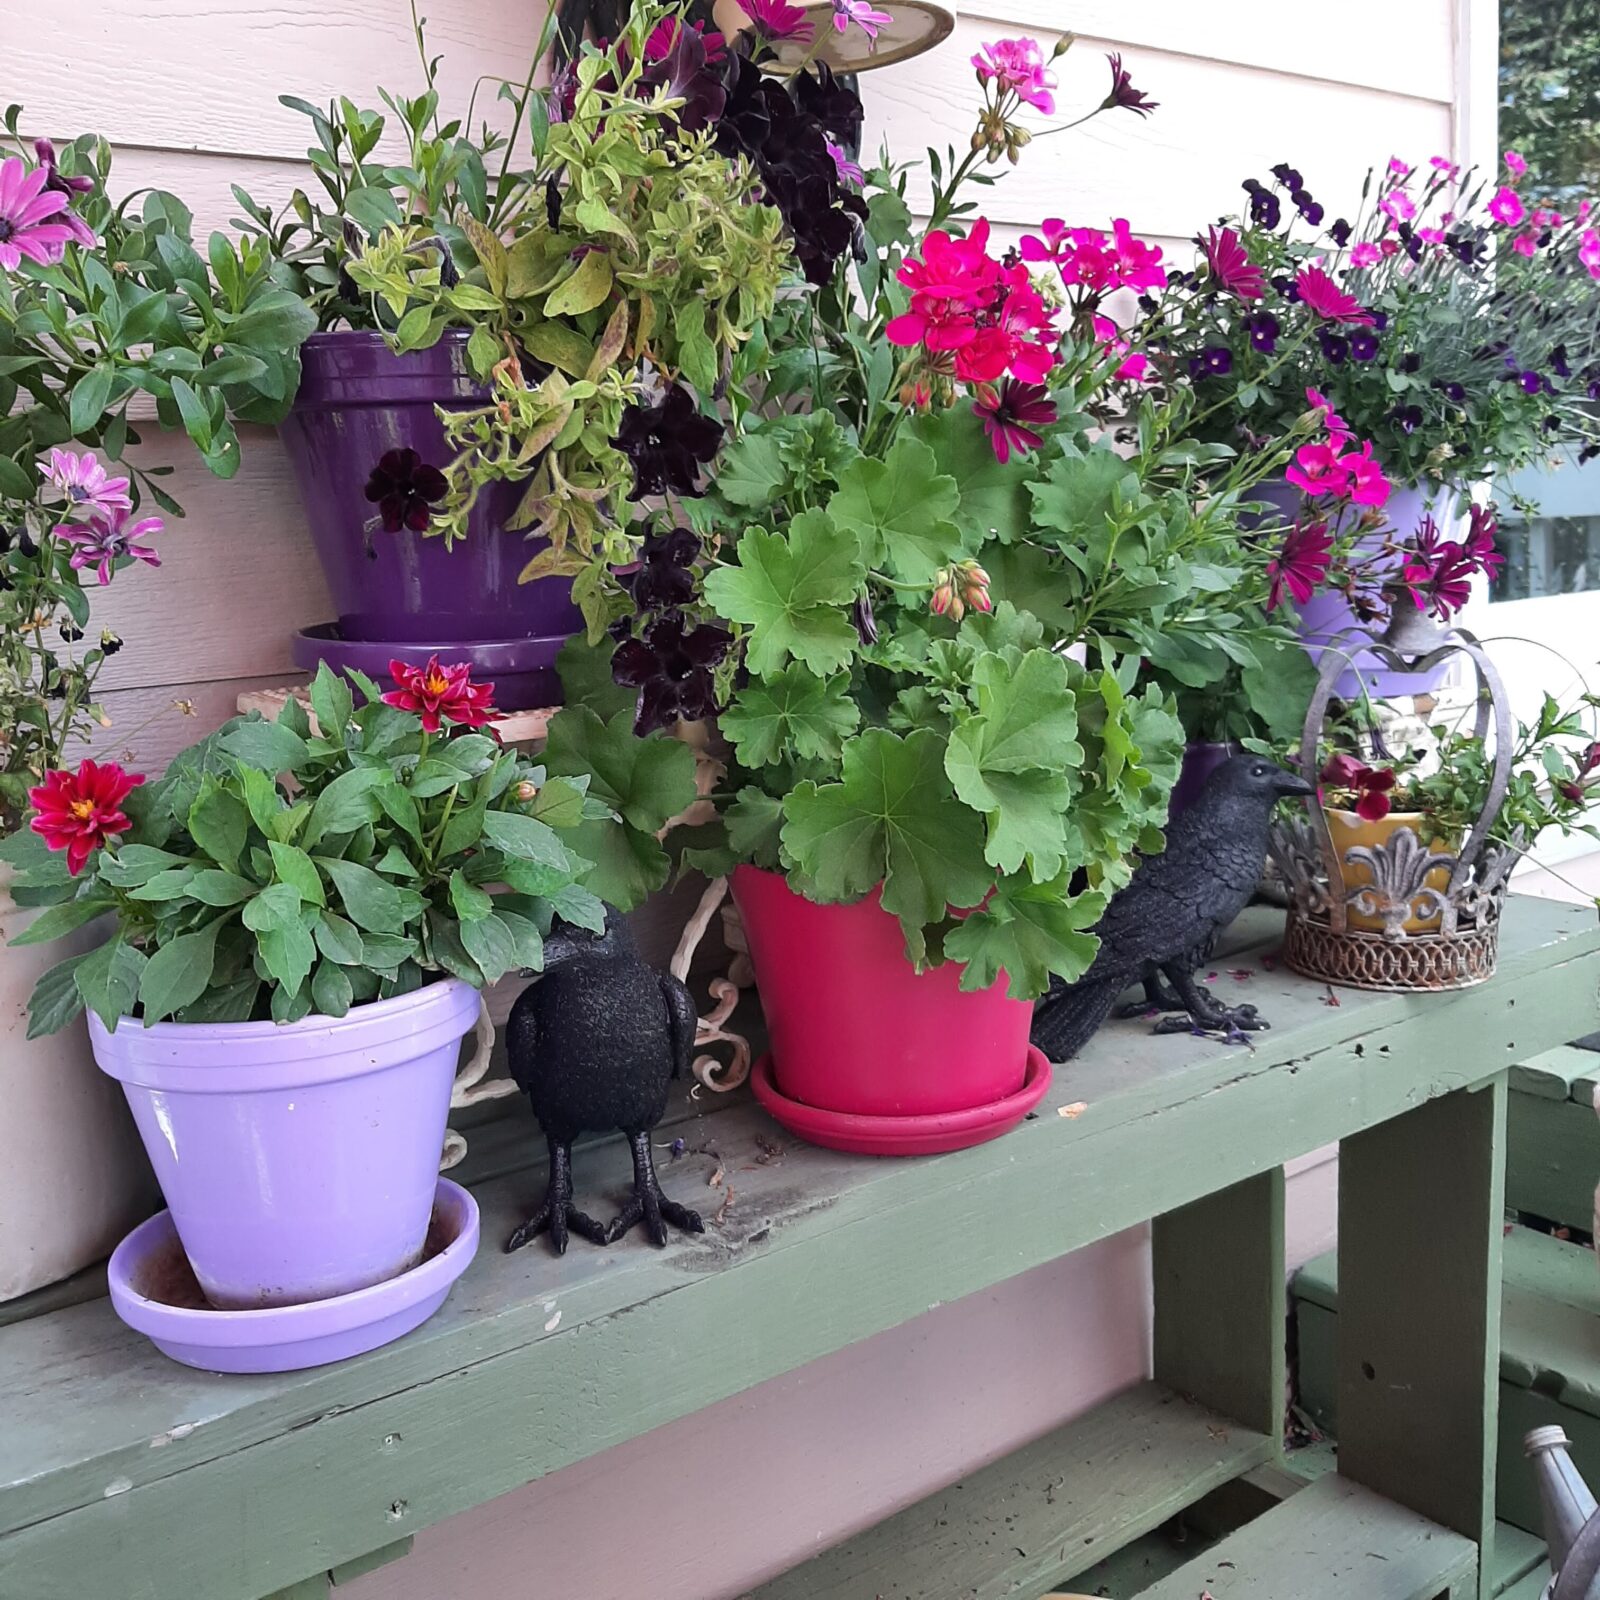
<point x="1421" y="1218"/>
<point x="1218" y="1272"/>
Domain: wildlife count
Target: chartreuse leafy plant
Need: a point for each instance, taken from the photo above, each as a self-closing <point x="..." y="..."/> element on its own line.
<point x="280" y="868"/>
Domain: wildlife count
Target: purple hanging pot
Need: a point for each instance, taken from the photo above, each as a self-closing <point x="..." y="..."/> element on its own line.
<point x="357" y="401"/>
<point x="298" y="1161"/>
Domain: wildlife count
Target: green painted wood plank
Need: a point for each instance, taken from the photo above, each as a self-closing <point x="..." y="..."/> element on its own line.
<point x="1553" y="1159"/>
<point x="349" y="1571"/>
<point x="1335" y="1540"/>
<point x="1421" y="1203"/>
<point x="307" y="1589"/>
<point x="1531" y="1587"/>
<point x="536" y="1363"/>
<point x="1218" y="1277"/>
<point x="1032" y="1520"/>
<point x="1551" y="1076"/>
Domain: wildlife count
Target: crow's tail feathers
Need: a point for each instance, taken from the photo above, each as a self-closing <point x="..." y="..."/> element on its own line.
<point x="1066" y="1019"/>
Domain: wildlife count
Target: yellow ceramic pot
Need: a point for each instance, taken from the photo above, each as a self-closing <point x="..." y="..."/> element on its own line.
<point x="1350" y="830"/>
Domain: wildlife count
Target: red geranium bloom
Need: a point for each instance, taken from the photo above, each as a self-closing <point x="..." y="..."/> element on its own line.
<point x="438" y="694"/>
<point x="1231" y="265"/>
<point x="1369" y="785"/>
<point x="1327" y="299"/>
<point x="78" y="811"/>
<point x="1302" y="563"/>
<point x="1011" y="414"/>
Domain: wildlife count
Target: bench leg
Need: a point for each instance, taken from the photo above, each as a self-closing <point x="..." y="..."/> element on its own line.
<point x="1218" y="1273"/>
<point x="1421" y="1220"/>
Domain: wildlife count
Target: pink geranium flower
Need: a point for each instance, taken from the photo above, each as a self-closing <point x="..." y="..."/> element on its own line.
<point x="1138" y="264"/>
<point x="1507" y="207"/>
<point x="1368" y="486"/>
<point x="1302" y="564"/>
<point x="777" y="20"/>
<point x="1515" y="165"/>
<point x="1018" y="65"/>
<point x="1231" y="265"/>
<point x="26" y="210"/>
<point x="1011" y="415"/>
<point x="861" y="13"/>
<point x="1135" y="366"/>
<point x="1327" y="300"/>
<point x="1339" y="433"/>
<point x="1365" y="254"/>
<point x="951" y="282"/>
<point x="106" y="538"/>
<point x="1317" y="472"/>
<point x="85" y="483"/>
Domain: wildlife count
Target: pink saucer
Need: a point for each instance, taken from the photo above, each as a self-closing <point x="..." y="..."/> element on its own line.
<point x="903" y="1136"/>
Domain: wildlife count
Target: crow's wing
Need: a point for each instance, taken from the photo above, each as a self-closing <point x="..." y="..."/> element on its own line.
<point x="682" y="1021"/>
<point x="522" y="1037"/>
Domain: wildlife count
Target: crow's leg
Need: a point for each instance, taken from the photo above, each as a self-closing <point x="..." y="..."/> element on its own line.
<point x="649" y="1205"/>
<point x="1205" y="1010"/>
<point x="557" y="1214"/>
<point x="1157" y="997"/>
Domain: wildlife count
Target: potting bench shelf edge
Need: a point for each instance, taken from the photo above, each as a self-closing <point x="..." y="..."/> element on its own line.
<point x="109" y="1453"/>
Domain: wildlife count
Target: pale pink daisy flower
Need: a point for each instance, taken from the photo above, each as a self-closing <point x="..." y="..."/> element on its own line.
<point x="26" y="207"/>
<point x="848" y="171"/>
<point x="106" y="538"/>
<point x="85" y="482"/>
<point x="862" y="14"/>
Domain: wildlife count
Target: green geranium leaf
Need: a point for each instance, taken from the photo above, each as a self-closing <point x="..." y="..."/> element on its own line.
<point x="901" y="510"/>
<point x="1027" y="931"/>
<point x="893" y="820"/>
<point x="559" y="803"/>
<point x="178" y="973"/>
<point x="585" y="672"/>
<point x="993" y="495"/>
<point x="752" y="473"/>
<point x="577" y="905"/>
<point x="755" y="827"/>
<point x="793" y="712"/>
<point x="108" y="979"/>
<point x="792" y="591"/>
<point x="1078" y="495"/>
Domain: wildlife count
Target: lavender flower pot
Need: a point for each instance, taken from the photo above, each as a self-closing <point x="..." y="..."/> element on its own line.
<point x="1327" y="621"/>
<point x="357" y="401"/>
<point x="299" y="1161"/>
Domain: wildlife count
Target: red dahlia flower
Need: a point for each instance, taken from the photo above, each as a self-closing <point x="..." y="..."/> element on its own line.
<point x="79" y="811"/>
<point x="441" y="694"/>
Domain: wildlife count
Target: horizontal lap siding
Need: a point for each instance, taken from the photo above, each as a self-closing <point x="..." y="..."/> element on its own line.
<point x="188" y="95"/>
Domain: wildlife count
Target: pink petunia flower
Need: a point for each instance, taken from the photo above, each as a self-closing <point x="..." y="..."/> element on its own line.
<point x="84" y="482"/>
<point x="1365" y="254"/>
<point x="777" y="20"/>
<point x="862" y="14"/>
<point x="1231" y="265"/>
<point x="1398" y="206"/>
<point x="1018" y="65"/>
<point x="106" y="538"/>
<point x="1327" y="300"/>
<point x="1507" y="207"/>
<point x="26" y="209"/>
<point x="1516" y="165"/>
<point x="1302" y="564"/>
<point x="1011" y="415"/>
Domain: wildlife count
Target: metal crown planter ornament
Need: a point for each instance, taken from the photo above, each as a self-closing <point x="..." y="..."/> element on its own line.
<point x="1454" y="929"/>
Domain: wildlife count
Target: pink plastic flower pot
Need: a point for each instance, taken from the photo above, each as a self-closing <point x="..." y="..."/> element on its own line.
<point x="856" y="1030"/>
<point x="298" y="1162"/>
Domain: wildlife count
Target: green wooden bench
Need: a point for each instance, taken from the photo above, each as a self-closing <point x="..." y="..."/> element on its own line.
<point x="122" y="1474"/>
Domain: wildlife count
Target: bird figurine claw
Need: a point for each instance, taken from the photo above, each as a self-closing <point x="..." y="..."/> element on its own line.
<point x="594" y="1044"/>
<point x="1162" y="923"/>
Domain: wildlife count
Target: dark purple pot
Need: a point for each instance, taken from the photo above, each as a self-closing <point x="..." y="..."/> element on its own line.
<point x="358" y="400"/>
<point x="1201" y="758"/>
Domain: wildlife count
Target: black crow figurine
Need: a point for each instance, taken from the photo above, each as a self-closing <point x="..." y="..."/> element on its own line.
<point x="594" y="1044"/>
<point x="1176" y="903"/>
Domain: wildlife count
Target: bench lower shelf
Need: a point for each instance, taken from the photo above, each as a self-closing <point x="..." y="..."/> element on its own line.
<point x="1026" y="1524"/>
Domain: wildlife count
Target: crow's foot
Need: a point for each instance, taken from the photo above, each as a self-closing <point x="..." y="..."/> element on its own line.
<point x="649" y="1205"/>
<point x="1157" y="997"/>
<point x="558" y="1216"/>
<point x="1219" y="1019"/>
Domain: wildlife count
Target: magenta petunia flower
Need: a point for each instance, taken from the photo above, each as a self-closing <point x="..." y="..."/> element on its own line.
<point x="27" y="208"/>
<point x="84" y="482"/>
<point x="1507" y="207"/>
<point x="1327" y="300"/>
<point x="1231" y="265"/>
<point x="1301" y="565"/>
<point x="862" y="14"/>
<point x="848" y="171"/>
<point x="1010" y="415"/>
<point x="777" y="20"/>
<point x="106" y="538"/>
<point x="1516" y="165"/>
<point x="1018" y="65"/>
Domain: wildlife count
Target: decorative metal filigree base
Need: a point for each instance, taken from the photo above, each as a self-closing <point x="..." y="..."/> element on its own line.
<point x="1361" y="960"/>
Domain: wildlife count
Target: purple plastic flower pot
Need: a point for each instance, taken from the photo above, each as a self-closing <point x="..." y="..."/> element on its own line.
<point x="1326" y="620"/>
<point x="298" y="1161"/>
<point x="1201" y="757"/>
<point x="357" y="401"/>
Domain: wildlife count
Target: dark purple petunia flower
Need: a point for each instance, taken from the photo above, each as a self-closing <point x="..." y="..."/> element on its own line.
<point x="670" y="664"/>
<point x="679" y="60"/>
<point x="833" y="105"/>
<point x="668" y="443"/>
<point x="664" y="578"/>
<point x="404" y="487"/>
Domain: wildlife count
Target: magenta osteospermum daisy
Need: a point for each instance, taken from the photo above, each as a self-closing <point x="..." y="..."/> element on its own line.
<point x="848" y="171"/>
<point x="1327" y="300"/>
<point x="84" y="482"/>
<point x="862" y="14"/>
<point x="1231" y="265"/>
<point x="1018" y="65"/>
<point x="1011" y="414"/>
<point x="1301" y="564"/>
<point x="106" y="538"/>
<point x="26" y="210"/>
<point x="776" y="20"/>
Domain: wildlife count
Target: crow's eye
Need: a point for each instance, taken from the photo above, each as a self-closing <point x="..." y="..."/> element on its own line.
<point x="1260" y="772"/>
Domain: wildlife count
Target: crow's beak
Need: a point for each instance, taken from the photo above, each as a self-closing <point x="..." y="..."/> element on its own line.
<point x="1292" y="784"/>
